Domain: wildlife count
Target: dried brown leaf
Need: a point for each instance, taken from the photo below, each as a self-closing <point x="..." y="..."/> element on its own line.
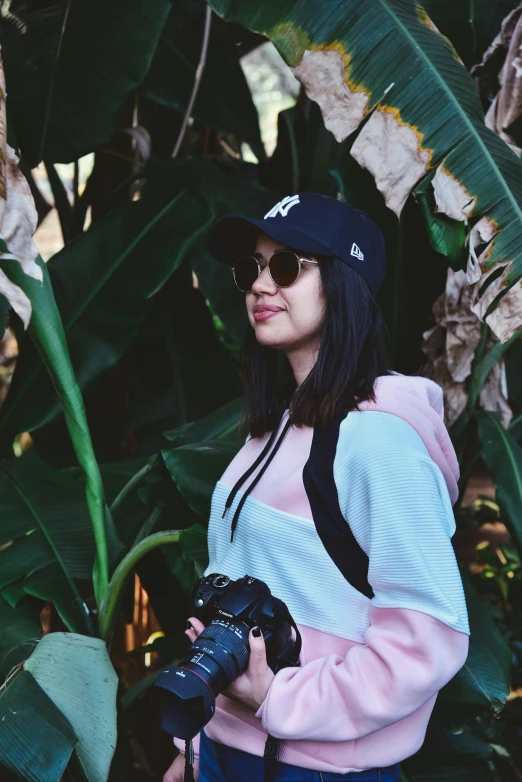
<point x="323" y="75"/>
<point x="18" y="218"/>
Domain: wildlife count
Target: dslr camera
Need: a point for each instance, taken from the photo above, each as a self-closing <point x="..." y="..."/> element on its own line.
<point x="229" y="609"/>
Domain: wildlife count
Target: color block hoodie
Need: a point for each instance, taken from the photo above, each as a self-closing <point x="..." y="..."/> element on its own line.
<point x="352" y="529"/>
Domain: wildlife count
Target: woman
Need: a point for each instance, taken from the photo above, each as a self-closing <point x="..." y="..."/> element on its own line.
<point x="346" y="515"/>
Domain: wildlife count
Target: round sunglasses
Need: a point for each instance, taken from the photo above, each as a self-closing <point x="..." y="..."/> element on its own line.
<point x="284" y="267"/>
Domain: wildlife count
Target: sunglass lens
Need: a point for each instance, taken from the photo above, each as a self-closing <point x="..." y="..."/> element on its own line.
<point x="284" y="268"/>
<point x="245" y="273"/>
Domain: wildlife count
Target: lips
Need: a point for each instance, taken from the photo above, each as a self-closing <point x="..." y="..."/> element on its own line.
<point x="265" y="311"/>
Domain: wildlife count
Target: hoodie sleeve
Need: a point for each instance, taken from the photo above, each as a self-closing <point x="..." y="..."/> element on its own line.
<point x="396" y="502"/>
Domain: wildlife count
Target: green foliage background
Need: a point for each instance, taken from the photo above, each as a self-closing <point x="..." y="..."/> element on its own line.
<point x="128" y="379"/>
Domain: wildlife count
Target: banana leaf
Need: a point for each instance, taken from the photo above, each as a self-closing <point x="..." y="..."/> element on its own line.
<point x="222" y="423"/>
<point x="195" y="469"/>
<point x="470" y="25"/>
<point x="75" y="672"/>
<point x="483" y="682"/>
<point x="36" y="740"/>
<point x="102" y="282"/>
<point x="224" y="100"/>
<point x="19" y="632"/>
<point x="71" y="68"/>
<point x="382" y="62"/>
<point x="503" y="457"/>
<point x="55" y="530"/>
<point x="47" y="333"/>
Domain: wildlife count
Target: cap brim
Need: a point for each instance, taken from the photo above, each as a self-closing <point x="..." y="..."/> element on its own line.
<point x="233" y="236"/>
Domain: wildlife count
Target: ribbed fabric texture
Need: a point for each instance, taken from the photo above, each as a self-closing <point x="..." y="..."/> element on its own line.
<point x="286" y="552"/>
<point x="370" y="669"/>
<point x="385" y="476"/>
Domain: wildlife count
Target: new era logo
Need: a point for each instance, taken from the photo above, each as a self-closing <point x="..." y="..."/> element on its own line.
<point x="357" y="252"/>
<point x="283" y="207"/>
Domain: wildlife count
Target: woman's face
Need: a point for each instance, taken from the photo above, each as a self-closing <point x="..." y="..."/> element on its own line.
<point x="288" y="319"/>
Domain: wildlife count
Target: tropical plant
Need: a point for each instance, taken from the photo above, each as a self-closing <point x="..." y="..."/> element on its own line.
<point x="127" y="378"/>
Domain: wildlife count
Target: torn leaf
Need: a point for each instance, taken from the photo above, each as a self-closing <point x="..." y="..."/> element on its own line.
<point x="391" y="150"/>
<point x="18" y="218"/>
<point x="451" y="195"/>
<point x="323" y="75"/>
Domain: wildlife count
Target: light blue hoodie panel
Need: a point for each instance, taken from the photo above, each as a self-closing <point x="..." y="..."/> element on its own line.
<point x="396" y="502"/>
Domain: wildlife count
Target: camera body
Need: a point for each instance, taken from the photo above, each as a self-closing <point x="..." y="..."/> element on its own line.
<point x="219" y="599"/>
<point x="229" y="609"/>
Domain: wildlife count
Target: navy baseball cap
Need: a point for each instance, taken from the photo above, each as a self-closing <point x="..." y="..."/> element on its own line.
<point x="309" y="223"/>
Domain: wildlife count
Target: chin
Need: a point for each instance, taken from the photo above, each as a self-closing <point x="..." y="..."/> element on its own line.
<point x="269" y="340"/>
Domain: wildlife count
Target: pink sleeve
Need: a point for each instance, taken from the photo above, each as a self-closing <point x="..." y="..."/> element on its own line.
<point x="407" y="656"/>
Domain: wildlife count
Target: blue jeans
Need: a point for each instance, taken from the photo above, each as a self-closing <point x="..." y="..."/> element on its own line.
<point x="218" y="763"/>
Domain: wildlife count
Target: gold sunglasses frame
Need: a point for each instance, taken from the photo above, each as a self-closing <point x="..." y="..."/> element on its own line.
<point x="299" y="260"/>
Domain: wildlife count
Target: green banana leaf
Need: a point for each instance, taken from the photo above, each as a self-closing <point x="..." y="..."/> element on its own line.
<point x="222" y="423"/>
<point x="188" y="560"/>
<point x="227" y="195"/>
<point x="445" y="755"/>
<point x="36" y="739"/>
<point x="483" y="682"/>
<point x="179" y="327"/>
<point x="71" y="68"/>
<point x="49" y="585"/>
<point x="102" y="282"/>
<point x="195" y="469"/>
<point x="55" y="530"/>
<point x="29" y="484"/>
<point x="19" y="632"/>
<point x="75" y="672"/>
<point x="447" y="237"/>
<point x="47" y="333"/>
<point x="224" y="100"/>
<point x="470" y="25"/>
<point x="483" y="367"/>
<point x="503" y="457"/>
<point x="382" y="61"/>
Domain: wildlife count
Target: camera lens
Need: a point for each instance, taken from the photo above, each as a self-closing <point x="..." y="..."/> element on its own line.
<point x="218" y="656"/>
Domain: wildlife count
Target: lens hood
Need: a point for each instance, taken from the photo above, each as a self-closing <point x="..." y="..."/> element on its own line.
<point x="188" y="702"/>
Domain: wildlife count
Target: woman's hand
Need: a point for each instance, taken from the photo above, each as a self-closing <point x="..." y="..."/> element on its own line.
<point x="250" y="687"/>
<point x="176" y="772"/>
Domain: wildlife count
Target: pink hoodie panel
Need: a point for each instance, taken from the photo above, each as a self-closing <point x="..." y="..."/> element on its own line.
<point x="286" y="470"/>
<point x="348" y="701"/>
<point x="416" y="400"/>
<point x="342" y="698"/>
<point x="350" y="705"/>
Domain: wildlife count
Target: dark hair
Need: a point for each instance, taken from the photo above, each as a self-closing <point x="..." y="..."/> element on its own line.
<point x="352" y="355"/>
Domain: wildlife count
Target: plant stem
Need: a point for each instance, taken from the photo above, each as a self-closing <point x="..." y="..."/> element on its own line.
<point x="111" y="600"/>
<point x="130" y="485"/>
<point x="197" y="81"/>
<point x="148" y="526"/>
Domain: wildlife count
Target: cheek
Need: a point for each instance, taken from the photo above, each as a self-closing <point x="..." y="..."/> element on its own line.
<point x="249" y="304"/>
<point x="306" y="309"/>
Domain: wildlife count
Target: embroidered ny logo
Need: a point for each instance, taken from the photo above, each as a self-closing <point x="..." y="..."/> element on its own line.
<point x="283" y="207"/>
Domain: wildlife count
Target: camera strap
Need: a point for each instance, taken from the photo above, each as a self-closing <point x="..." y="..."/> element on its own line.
<point x="270" y="758"/>
<point x="289" y="659"/>
<point x="189" y="761"/>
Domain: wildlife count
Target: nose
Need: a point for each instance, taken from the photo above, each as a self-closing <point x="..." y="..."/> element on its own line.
<point x="264" y="283"/>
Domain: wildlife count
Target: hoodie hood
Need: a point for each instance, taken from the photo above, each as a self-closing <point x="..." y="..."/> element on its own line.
<point x="419" y="402"/>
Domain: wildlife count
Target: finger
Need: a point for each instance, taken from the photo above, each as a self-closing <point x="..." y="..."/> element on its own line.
<point x="191" y="635"/>
<point x="196" y="624"/>
<point x="257" y="651"/>
<point x="193" y="629"/>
